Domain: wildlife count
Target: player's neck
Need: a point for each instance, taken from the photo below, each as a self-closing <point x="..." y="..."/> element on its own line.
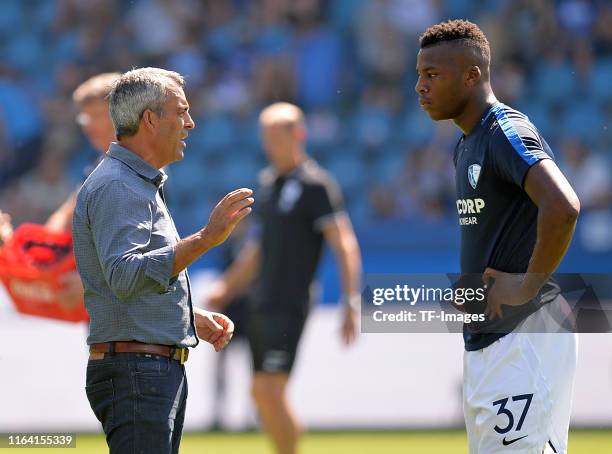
<point x="144" y="149"/>
<point x="296" y="161"/>
<point x="474" y="110"/>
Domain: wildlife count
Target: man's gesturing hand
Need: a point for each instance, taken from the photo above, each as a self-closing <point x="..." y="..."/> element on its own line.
<point x="232" y="209"/>
<point x="214" y="328"/>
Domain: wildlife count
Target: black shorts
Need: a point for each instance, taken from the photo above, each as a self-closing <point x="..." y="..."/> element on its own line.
<point x="274" y="341"/>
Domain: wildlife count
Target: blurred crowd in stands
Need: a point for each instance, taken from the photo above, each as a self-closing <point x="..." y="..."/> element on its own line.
<point x="348" y="63"/>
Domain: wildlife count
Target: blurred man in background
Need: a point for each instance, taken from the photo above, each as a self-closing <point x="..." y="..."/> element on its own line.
<point x="299" y="206"/>
<point x="90" y="99"/>
<point x="517" y="216"/>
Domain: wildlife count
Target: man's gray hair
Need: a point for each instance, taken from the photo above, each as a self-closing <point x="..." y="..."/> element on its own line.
<point x="136" y="91"/>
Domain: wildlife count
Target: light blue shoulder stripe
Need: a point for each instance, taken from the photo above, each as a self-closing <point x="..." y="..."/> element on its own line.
<point x="530" y="157"/>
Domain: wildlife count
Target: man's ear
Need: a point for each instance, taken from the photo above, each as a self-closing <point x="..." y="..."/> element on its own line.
<point x="472" y="76"/>
<point x="150" y="120"/>
<point x="299" y="133"/>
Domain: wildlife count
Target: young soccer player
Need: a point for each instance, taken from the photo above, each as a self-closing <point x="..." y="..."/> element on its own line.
<point x="517" y="214"/>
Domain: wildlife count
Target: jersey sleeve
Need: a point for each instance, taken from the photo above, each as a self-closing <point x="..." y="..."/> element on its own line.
<point x="516" y="146"/>
<point x="324" y="201"/>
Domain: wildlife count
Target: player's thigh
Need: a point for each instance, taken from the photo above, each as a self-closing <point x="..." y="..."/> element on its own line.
<point x="509" y="396"/>
<point x="558" y="361"/>
<point x="160" y="388"/>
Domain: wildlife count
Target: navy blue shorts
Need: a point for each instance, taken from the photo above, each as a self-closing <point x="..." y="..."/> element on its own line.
<point x="274" y="341"/>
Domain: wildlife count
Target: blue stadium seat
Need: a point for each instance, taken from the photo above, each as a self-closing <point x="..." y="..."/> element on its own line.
<point x="273" y="40"/>
<point x="223" y="40"/>
<point x="25" y="50"/>
<point x="371" y="127"/>
<point x="554" y="83"/>
<point x="458" y="9"/>
<point x="387" y="168"/>
<point x="350" y="172"/>
<point x="358" y="208"/>
<point x="213" y="131"/>
<point x="42" y="13"/>
<point x="247" y="133"/>
<point x="191" y="214"/>
<point x="186" y="179"/>
<point x="11" y="16"/>
<point x="415" y="127"/>
<point x="66" y="47"/>
<point x="343" y="13"/>
<point x="325" y="127"/>
<point x="584" y="119"/>
<point x="237" y="173"/>
<point x="347" y="150"/>
<point x="540" y="115"/>
<point x="601" y="80"/>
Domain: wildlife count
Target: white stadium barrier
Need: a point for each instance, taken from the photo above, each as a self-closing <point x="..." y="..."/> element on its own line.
<point x="385" y="381"/>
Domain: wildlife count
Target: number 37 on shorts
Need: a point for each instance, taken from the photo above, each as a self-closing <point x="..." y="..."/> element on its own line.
<point x="513" y="419"/>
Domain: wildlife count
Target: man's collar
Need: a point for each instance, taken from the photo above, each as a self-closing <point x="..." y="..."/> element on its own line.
<point x="296" y="170"/>
<point x="137" y="164"/>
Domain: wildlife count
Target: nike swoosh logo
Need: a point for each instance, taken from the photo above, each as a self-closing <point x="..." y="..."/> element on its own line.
<point x="509" y="442"/>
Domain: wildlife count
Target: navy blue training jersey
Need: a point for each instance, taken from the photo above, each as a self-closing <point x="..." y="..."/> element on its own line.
<point x="497" y="218"/>
<point x="292" y="211"/>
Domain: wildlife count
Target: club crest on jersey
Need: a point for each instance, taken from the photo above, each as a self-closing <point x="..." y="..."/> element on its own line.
<point x="474" y="174"/>
<point x="290" y="193"/>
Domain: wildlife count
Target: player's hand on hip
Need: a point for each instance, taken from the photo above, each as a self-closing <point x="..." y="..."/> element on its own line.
<point x="503" y="288"/>
<point x="216" y="329"/>
<point x="230" y="210"/>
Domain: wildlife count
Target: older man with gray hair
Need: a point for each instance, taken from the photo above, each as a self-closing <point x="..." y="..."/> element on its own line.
<point x="133" y="266"/>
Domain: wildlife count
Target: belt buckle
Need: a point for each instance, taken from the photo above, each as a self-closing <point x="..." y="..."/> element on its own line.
<point x="183" y="355"/>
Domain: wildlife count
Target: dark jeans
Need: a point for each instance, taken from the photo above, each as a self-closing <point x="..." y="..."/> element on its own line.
<point x="140" y="401"/>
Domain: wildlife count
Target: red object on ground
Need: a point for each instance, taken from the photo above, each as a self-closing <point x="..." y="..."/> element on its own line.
<point x="32" y="264"/>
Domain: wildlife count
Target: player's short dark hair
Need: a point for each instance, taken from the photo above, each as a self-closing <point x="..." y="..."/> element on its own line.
<point x="457" y="31"/>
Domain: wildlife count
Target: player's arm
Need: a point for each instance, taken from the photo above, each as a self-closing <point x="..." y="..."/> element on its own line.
<point x="120" y="221"/>
<point x="237" y="277"/>
<point x="558" y="209"/>
<point x="6" y="228"/>
<point x="61" y="219"/>
<point x="339" y="234"/>
<point x="326" y="208"/>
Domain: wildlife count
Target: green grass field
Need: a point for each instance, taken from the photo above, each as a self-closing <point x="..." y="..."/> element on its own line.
<point x="435" y="442"/>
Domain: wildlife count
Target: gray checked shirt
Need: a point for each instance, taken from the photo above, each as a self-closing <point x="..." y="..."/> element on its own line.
<point x="124" y="241"/>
